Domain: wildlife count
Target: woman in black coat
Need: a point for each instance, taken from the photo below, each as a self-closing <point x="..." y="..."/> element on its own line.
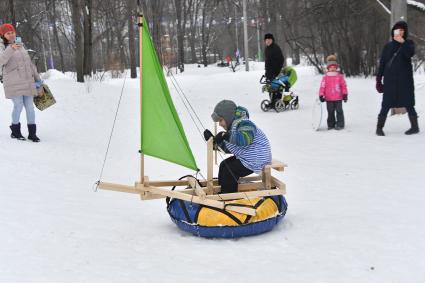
<point x="398" y="87"/>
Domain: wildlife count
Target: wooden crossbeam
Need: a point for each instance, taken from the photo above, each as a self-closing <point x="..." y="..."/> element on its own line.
<point x="277" y="165"/>
<point x="119" y="188"/>
<point x="247" y="195"/>
<point x="196" y="199"/>
<point x="170" y="183"/>
<point x="199" y="191"/>
<point x="279" y="184"/>
<point x="250" y="178"/>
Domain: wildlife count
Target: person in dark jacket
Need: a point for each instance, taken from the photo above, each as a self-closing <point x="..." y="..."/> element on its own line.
<point x="273" y="57"/>
<point x="398" y="87"/>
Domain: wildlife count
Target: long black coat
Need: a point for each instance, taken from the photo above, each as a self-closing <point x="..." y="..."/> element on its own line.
<point x="273" y="60"/>
<point x="399" y="89"/>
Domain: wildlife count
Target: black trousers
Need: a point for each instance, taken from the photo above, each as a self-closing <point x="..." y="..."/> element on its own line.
<point x="275" y="96"/>
<point x="335" y="107"/>
<point x="231" y="169"/>
<point x="385" y="109"/>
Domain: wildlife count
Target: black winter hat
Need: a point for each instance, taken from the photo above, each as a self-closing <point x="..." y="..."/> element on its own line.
<point x="268" y="36"/>
<point x="400" y="25"/>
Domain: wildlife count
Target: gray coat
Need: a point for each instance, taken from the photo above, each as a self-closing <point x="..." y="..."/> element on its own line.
<point x="19" y="73"/>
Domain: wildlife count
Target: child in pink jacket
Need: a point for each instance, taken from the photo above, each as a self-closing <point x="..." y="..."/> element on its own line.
<point x="333" y="90"/>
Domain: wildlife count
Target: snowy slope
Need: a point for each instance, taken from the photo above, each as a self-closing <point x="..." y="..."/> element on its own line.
<point x="355" y="200"/>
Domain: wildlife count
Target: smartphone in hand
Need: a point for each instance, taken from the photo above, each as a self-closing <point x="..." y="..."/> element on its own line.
<point x="18" y="40"/>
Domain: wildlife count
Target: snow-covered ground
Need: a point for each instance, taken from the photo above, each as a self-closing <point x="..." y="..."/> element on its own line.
<point x="355" y="200"/>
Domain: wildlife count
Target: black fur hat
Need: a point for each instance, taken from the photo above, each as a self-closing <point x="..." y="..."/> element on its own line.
<point x="268" y="36"/>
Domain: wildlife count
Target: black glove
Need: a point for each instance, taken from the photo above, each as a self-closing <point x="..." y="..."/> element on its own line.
<point x="322" y="99"/>
<point x="221" y="136"/>
<point x="208" y="134"/>
<point x="345" y="98"/>
<point x="379" y="85"/>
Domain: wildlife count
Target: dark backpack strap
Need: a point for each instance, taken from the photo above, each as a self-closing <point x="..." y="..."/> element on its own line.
<point x="389" y="64"/>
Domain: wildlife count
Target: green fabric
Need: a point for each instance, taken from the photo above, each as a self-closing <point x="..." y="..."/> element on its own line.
<point x="287" y="98"/>
<point x="162" y="132"/>
<point x="291" y="73"/>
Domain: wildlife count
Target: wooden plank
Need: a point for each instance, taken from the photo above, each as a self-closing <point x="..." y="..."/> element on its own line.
<point x="142" y="156"/>
<point x="196" y="188"/>
<point x="250" y="178"/>
<point x="148" y="193"/>
<point x="169" y="183"/>
<point x="208" y="191"/>
<point x="215" y="152"/>
<point x="281" y="185"/>
<point x="118" y="188"/>
<point x="210" y="168"/>
<point x="250" y="187"/>
<point x="144" y="194"/>
<point x="277" y="165"/>
<point x="247" y="195"/>
<point x="267" y="177"/>
<point x="196" y="199"/>
<point x="150" y="196"/>
<point x="204" y="182"/>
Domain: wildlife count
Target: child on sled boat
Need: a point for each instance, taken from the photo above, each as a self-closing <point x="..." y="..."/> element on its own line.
<point x="242" y="138"/>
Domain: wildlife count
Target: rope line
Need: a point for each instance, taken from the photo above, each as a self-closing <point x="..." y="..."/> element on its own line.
<point x="112" y="131"/>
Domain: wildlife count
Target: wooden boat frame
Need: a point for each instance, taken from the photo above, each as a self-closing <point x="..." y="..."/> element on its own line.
<point x="204" y="192"/>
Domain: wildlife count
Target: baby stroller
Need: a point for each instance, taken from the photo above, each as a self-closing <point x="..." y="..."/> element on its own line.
<point x="281" y="98"/>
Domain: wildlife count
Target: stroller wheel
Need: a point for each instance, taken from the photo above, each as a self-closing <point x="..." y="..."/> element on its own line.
<point x="295" y="104"/>
<point x="265" y="105"/>
<point x="279" y="106"/>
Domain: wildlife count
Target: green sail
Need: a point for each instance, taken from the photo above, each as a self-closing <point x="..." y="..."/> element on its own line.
<point x="162" y="132"/>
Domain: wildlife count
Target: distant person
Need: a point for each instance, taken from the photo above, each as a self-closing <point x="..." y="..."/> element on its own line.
<point x="238" y="56"/>
<point x="273" y="57"/>
<point x="398" y="87"/>
<point x="20" y="81"/>
<point x="333" y="90"/>
<point x="228" y="60"/>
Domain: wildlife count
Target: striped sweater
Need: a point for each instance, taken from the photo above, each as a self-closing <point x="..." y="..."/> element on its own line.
<point x="248" y="143"/>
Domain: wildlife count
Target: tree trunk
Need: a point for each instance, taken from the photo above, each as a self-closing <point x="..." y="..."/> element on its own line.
<point x="12" y="12"/>
<point x="87" y="11"/>
<point x="194" y="9"/>
<point x="131" y="39"/>
<point x="179" y="6"/>
<point x="76" y="16"/>
<point x="55" y="33"/>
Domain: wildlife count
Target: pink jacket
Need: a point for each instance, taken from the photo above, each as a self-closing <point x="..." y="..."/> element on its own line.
<point x="333" y="86"/>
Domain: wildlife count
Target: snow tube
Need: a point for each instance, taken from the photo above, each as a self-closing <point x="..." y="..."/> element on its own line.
<point x="210" y="222"/>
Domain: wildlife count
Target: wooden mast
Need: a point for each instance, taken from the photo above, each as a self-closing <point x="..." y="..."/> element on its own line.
<point x="142" y="155"/>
